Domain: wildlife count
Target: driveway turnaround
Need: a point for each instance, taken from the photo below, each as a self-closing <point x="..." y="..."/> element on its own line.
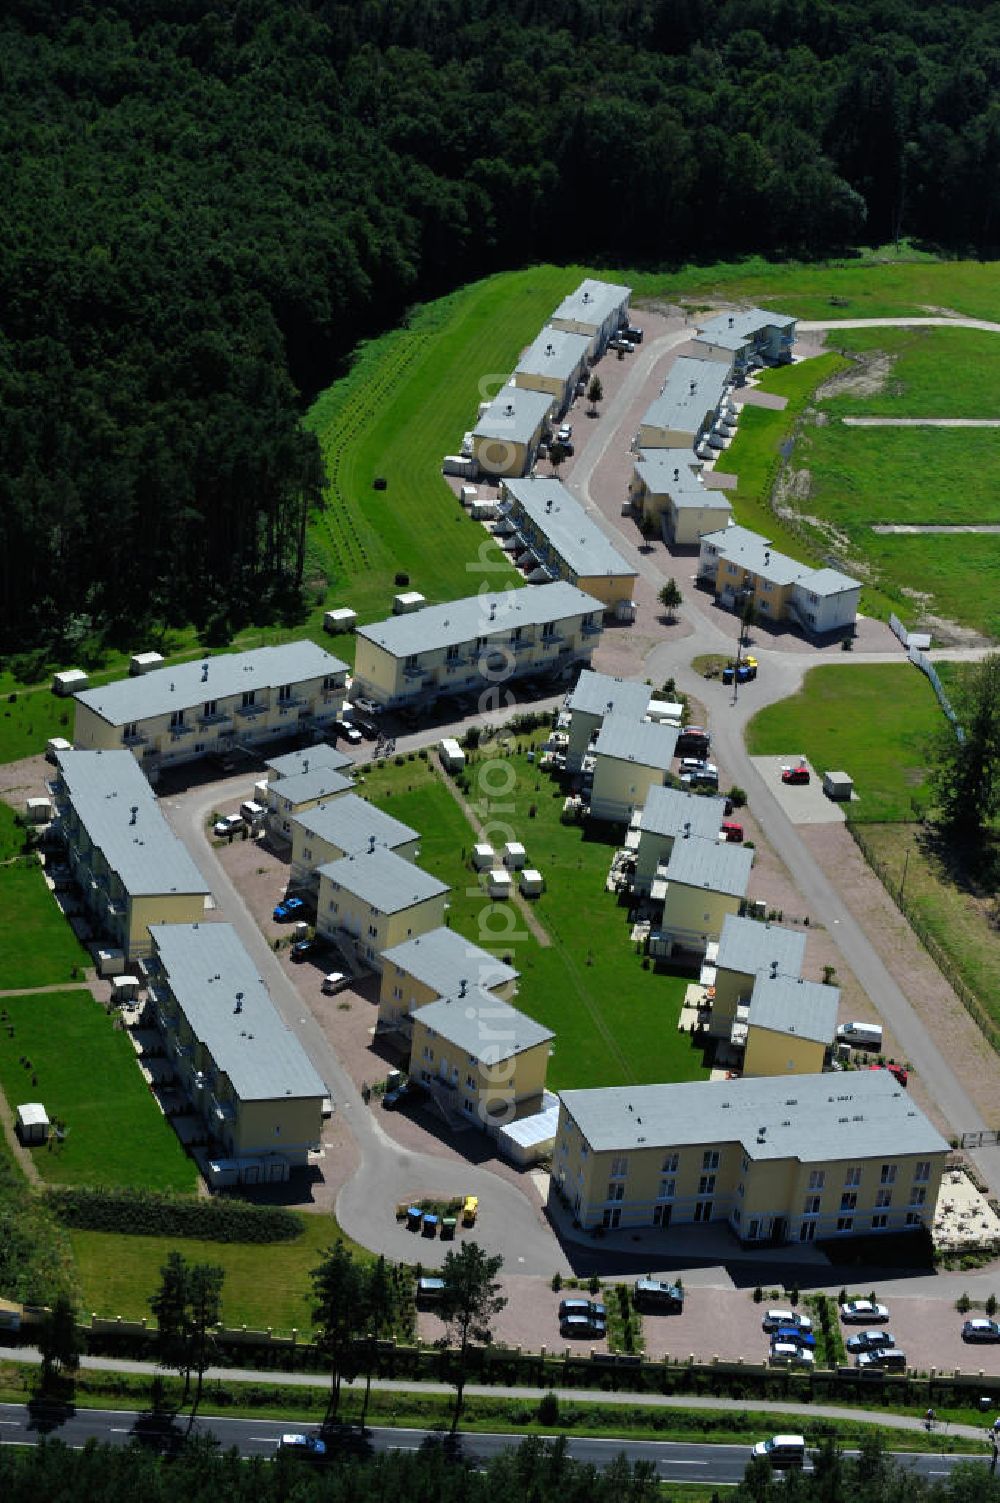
<point x="804" y="803"/>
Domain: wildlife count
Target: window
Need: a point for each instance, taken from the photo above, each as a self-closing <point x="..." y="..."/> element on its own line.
<point x="706" y="1185"/>
<point x="810" y="1206"/>
<point x="334" y="908"/>
<point x="616" y="1191"/>
<point x="764" y="605"/>
<point x="470" y="1082"/>
<point x="853" y="1176"/>
<point x="922" y="1171"/>
<point x="330" y="682"/>
<point x="918" y="1196"/>
<point x="515" y="635"/>
<point x="744" y="1165"/>
<point x="176" y="720"/>
<point x="307" y="854"/>
<point x="849" y="1201"/>
<point x="611" y="1219"/>
<point x="710" y="1160"/>
<point x="753" y="1230"/>
<point x="845" y="1223"/>
<point x="879" y="1223"/>
<point x="397" y="992"/>
<point x="817" y="1179"/>
<point x="284" y="693"/>
<point x="914" y="1218"/>
<point x="668" y="1189"/>
<point x="132" y="729"/>
<point x="428" y="1052"/>
<point x="481" y="642"/>
<point x="883" y="1198"/>
<point x="671" y="1163"/>
<point x="452" y="654"/>
<point x="766" y="584"/>
<point x="211" y="707"/>
<point x="469" y="1106"/>
<point x="888" y="1175"/>
<point x="373" y="931"/>
<point x="411" y="661"/>
<point x="703" y="1210"/>
<point x="619" y="1168"/>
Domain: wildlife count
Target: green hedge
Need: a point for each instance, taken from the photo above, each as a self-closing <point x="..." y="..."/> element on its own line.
<point x="148" y="1213"/>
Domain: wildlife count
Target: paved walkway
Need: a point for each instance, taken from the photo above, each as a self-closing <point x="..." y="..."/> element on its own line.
<point x="919" y="422"/>
<point x="959" y="321"/>
<point x="41" y="991"/>
<point x="610" y="1397"/>
<point x="911" y="527"/>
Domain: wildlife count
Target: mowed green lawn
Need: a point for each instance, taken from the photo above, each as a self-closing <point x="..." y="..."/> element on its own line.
<point x="615" y="1023"/>
<point x="86" y="1074"/>
<point x="37" y="945"/>
<point x="935" y="372"/>
<point x="266" y="1284"/>
<point x="871" y="720"/>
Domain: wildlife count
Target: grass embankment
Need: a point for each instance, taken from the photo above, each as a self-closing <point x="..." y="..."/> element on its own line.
<point x="932" y="373"/>
<point x="62" y="1049"/>
<point x="871" y="719"/>
<point x="633" y="1421"/>
<point x="615" y="1021"/>
<point x="37" y="945"/>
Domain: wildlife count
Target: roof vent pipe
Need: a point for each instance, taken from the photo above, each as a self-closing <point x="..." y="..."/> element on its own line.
<point x="239" y="1002"/>
<point x="135" y="814"/>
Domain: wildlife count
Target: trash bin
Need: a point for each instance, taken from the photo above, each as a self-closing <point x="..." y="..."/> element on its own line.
<point x="430" y="1224"/>
<point x="448" y="1225"/>
<point x="414" y="1217"/>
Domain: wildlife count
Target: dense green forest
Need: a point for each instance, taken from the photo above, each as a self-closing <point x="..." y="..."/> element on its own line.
<point x="535" y="1473"/>
<point x="207" y="204"/>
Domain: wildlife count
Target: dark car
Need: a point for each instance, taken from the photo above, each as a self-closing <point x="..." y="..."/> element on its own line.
<point x="632" y="334"/>
<point x="365" y="724"/>
<point x="654" y="1294"/>
<point x="288" y="908"/>
<point x="303" y="948"/>
<point x="870" y="1341"/>
<point x="407" y="1090"/>
<point x="582" y="1325"/>
<point x="981" y="1330"/>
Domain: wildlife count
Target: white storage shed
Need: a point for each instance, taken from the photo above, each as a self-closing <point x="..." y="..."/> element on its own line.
<point x="38" y="811"/>
<point x="531" y="882"/>
<point x="341" y="619"/>
<point x="70" y="681"/>
<point x="451" y="754"/>
<point x="514" y="856"/>
<point x="838" y="786"/>
<point x="32" y="1122"/>
<point x="410" y="600"/>
<point x="483" y="857"/>
<point x="124" y="988"/>
<point x="142" y="662"/>
<point x="499" y="885"/>
<point x="109" y="961"/>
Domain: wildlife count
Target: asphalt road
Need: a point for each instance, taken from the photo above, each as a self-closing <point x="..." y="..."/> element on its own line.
<point x="674" y="1461"/>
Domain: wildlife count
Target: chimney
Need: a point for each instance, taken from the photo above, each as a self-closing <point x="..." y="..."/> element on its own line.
<point x="550" y="349"/>
<point x="732" y="321"/>
<point x="694" y="387"/>
<point x="239" y="1002"/>
<point x="493" y="611"/>
<point x="135" y="814"/>
<point x="462" y="987"/>
<point x="548" y="504"/>
<point x="677" y="474"/>
<point x="767" y="555"/>
<point x="509" y="409"/>
<point x="687" y="828"/>
<point x="774" y="970"/>
<point x="204" y="673"/>
<point x="305" y="764"/>
<point x="371" y="845"/>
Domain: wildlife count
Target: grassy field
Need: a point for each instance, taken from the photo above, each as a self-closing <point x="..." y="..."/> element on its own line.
<point x="615" y="1022"/>
<point x="37" y="945"/>
<point x="266" y="1285"/>
<point x="87" y="1076"/>
<point x="934" y="373"/>
<point x="873" y="720"/>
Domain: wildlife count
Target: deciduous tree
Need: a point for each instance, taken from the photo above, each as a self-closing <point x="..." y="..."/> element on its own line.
<point x="470" y="1300"/>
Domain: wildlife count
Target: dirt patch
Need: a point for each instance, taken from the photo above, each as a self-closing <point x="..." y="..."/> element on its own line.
<point x="950" y="634"/>
<point x="869" y="373"/>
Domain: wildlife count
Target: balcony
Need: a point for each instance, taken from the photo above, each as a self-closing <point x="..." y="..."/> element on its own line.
<point x="218" y="717"/>
<point x="413" y="670"/>
<point x="250" y="712"/>
<point x="592" y="628"/>
<point x="177" y="731"/>
<point x="223" y="1111"/>
<point x="520" y="644"/>
<point x="134" y="738"/>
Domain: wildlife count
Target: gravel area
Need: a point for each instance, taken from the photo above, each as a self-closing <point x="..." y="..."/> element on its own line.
<point x="929" y="1331"/>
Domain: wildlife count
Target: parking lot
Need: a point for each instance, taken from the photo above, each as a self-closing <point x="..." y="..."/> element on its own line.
<point x="804" y="803"/>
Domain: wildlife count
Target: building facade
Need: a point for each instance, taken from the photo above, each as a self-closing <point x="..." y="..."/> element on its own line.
<point x="190" y="710"/>
<point x="748" y="340"/>
<point x="551" y="534"/>
<point x="344" y="826"/>
<point x="506" y="437"/>
<point x="476" y="644"/>
<point x="130" y="867"/>
<point x="554" y="363"/>
<point x="630" y="758"/>
<point x="701" y="884"/>
<point x="593" y="697"/>
<point x="596" y="309"/>
<point x="376" y="899"/>
<point x="741" y="568"/>
<point x="821" y="1156"/>
<point x="437" y="964"/>
<point x="481" y="1059"/>
<point x="695" y="397"/>
<point x="669" y="814"/>
<point x="666" y="490"/>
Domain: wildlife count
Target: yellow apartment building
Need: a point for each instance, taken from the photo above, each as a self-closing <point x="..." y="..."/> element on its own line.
<point x="747" y="340"/>
<point x="746" y="949"/>
<point x="374" y="899"/>
<point x="554" y="363"/>
<point x="792" y="1161"/>
<point x="596" y="309"/>
<point x="189" y="710"/>
<point x="481" y="1059"/>
<point x="506" y="437"/>
<point x="741" y="566"/>
<point x="630" y="758"/>
<point x="789" y="1026"/>
<point x="701" y="885"/>
<point x="130" y="867"/>
<point x="477" y="644"/>
<point x="343" y="826"/>
<point x="666" y="489"/>
<point x="695" y="401"/>
<point x="593" y="697"/>
<point x="669" y="814"/>
<point x="437" y="964"/>
<point x="243" y="1072"/>
<point x="550" y="536"/>
<point x="299" y="781"/>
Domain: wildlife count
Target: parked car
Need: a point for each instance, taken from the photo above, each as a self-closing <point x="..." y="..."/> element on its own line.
<point x="350" y="733"/>
<point x="732" y="831"/>
<point x="568" y="449"/>
<point x="625" y="345"/>
<point x="981" y="1330"/>
<point x="795" y="775"/>
<point x="898" y="1072"/>
<point x="882" y="1359"/>
<point x="310" y="1447"/>
<point x="592" y="1309"/>
<point x="288" y="908"/>
<point x="366" y="706"/>
<point x="791" y="1354"/>
<point x="856" y="1312"/>
<point x="582" y="1325"/>
<point x="303" y="948"/>
<point x="407" y="1090"/>
<point x="654" y="1294"/>
<point x="792" y="1333"/>
<point x="775" y="1319"/>
<point x="869" y="1341"/>
<point x="565" y="433"/>
<point x="429" y="1290"/>
<point x="632" y="333"/>
<point x="334" y="981"/>
<point x="229" y="824"/>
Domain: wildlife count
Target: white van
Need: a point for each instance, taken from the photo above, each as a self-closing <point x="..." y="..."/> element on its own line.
<point x="253" y="813"/>
<point x="861" y="1035"/>
<point x="782" y="1450"/>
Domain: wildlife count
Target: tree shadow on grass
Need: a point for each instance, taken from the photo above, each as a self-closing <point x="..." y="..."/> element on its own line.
<point x="971" y="867"/>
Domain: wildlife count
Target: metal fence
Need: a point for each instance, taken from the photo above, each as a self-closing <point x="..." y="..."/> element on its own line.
<point x="922" y="661"/>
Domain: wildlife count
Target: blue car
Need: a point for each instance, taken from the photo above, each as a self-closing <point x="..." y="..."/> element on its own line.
<point x="288" y="909"/>
<point x="792" y="1333"/>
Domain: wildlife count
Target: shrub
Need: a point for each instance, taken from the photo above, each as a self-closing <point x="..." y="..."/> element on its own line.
<point x="963" y="1304"/>
<point x="557" y="1282"/>
<point x="148" y="1213"/>
<point x="402" y="579"/>
<point x="548" y="1409"/>
<point x="737" y="797"/>
<point x="758" y="1295"/>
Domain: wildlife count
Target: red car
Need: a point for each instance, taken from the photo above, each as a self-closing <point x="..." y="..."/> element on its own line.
<point x="732" y="831"/>
<point x="900" y="1072"/>
<point x="798" y="774"/>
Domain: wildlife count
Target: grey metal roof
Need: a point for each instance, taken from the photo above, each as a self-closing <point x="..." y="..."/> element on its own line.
<point x="642" y="742"/>
<point x="706" y="864"/>
<point x="443" y="959"/>
<point x="310" y="757"/>
<point x="748" y="947"/>
<point x="592" y="302"/>
<point x="389" y="883"/>
<point x="738" y="545"/>
<point x="323" y="782"/>
<point x="484" y="1027"/>
<point x="828" y="582"/>
<point x="104" y="787"/>
<point x="692" y="389"/>
<point x="206" y="966"/>
<point x="574" y="535"/>
<point x="458" y="621"/>
<point x="181" y="686"/>
<point x="861" y="1115"/>
<point x="556" y="352"/>
<point x="732" y="536"/>
<point x="668" y="810"/>
<point x="600" y="694"/>
<point x="787" y="1004"/>
<point x="731" y="330"/>
<point x="349" y="822"/>
<point x="515" y="414"/>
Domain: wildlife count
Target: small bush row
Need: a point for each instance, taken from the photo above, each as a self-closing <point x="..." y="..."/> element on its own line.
<point x="152" y="1214"/>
